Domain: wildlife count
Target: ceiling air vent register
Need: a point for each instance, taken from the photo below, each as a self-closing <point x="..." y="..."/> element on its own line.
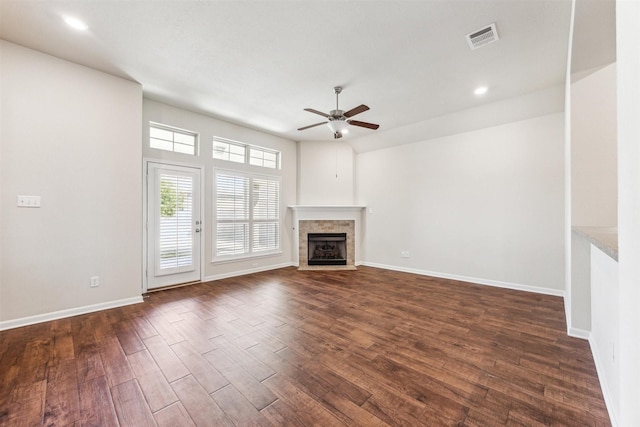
<point x="482" y="37"/>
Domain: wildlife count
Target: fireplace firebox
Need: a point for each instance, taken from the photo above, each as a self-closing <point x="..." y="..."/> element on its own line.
<point x="327" y="248"/>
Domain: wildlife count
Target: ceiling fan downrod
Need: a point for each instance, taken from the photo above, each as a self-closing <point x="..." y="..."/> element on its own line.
<point x="337" y="112"/>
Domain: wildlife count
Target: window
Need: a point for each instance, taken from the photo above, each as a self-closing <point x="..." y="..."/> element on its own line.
<point x="233" y="151"/>
<point x="247" y="215"/>
<point x="224" y="149"/>
<point x="263" y="157"/>
<point x="168" y="138"/>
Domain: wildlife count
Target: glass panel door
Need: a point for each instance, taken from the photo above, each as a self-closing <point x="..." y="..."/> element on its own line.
<point x="173" y="225"/>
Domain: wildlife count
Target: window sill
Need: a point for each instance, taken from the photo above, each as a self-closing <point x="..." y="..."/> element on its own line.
<point x="241" y="258"/>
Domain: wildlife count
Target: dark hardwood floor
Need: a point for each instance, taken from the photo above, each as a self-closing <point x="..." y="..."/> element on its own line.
<point x="368" y="347"/>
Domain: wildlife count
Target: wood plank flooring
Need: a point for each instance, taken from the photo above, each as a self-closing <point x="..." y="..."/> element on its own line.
<point x="306" y="348"/>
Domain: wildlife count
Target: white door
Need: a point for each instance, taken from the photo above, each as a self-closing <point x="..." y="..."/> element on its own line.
<point x="173" y="225"/>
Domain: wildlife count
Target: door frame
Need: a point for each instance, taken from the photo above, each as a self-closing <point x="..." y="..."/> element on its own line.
<point x="145" y="215"/>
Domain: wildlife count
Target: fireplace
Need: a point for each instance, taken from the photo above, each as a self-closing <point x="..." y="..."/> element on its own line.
<point x="327" y="219"/>
<point x="327" y="248"/>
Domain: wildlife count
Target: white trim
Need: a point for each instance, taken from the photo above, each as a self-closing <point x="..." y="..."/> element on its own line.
<point x="233" y="259"/>
<point x="567" y="177"/>
<point x="46" y="317"/>
<point x="579" y="333"/>
<point x="247" y="271"/>
<point x="495" y="283"/>
<point x="604" y="386"/>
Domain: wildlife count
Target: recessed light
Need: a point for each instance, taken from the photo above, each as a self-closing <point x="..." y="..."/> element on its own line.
<point x="75" y="23"/>
<point x="481" y="90"/>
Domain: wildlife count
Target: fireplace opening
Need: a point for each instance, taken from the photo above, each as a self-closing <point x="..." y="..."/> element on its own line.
<point x="327" y="248"/>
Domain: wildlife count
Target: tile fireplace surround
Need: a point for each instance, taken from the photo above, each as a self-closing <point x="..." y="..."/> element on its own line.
<point x="325" y="226"/>
<point x="327" y="219"/>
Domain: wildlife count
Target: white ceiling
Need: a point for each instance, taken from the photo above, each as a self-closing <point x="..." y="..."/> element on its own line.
<point x="260" y="63"/>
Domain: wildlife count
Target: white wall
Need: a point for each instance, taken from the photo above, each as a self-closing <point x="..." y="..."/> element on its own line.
<point x="485" y="205"/>
<point x="628" y="65"/>
<point x="579" y="316"/>
<point x="605" y="325"/>
<point x="325" y="173"/>
<point x="207" y="128"/>
<point x="594" y="178"/>
<point x="594" y="175"/>
<point x="71" y="135"/>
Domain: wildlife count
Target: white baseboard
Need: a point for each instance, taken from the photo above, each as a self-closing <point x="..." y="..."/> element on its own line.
<point x="579" y="333"/>
<point x="567" y="314"/>
<point x="604" y="386"/>
<point x="495" y="283"/>
<point x="247" y="271"/>
<point x="30" y="320"/>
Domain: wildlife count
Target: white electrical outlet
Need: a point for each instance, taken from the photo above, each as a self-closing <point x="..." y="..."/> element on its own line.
<point x="95" y="281"/>
<point x="404" y="254"/>
<point x="29" y="201"/>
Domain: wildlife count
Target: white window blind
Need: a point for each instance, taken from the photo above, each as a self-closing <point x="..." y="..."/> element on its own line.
<point x="232" y="214"/>
<point x="176" y="218"/>
<point x="266" y="214"/>
<point x="247" y="214"/>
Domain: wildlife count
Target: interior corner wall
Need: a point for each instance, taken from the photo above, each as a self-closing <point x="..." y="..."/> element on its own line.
<point x="325" y="173"/>
<point x="594" y="175"/>
<point x="70" y="135"/>
<point x="486" y="205"/>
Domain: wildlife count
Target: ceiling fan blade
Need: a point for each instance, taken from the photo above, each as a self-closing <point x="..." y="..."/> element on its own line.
<point x="363" y="124"/>
<point x="359" y="109"/>
<point x="311" y="110"/>
<point x="313" y="125"/>
<point x="337" y="135"/>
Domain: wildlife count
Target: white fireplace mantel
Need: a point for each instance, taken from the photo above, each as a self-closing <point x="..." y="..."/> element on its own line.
<point x="328" y="212"/>
<point x="337" y="212"/>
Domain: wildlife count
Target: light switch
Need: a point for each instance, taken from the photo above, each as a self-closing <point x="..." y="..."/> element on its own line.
<point x="29" y="201"/>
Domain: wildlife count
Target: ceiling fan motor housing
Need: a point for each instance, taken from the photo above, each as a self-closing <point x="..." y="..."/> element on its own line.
<point x="336" y="115"/>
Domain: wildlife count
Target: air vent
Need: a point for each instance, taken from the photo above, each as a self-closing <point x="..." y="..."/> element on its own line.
<point x="482" y="37"/>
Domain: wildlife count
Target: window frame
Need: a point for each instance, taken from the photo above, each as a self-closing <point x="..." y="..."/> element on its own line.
<point x="248" y="148"/>
<point x="250" y="220"/>
<point x="175" y="130"/>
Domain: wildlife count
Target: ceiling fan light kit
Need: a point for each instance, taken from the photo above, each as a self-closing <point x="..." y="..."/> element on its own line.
<point x="337" y="119"/>
<point x="338" y="126"/>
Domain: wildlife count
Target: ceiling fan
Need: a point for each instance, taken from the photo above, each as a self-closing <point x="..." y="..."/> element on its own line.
<point x="337" y="120"/>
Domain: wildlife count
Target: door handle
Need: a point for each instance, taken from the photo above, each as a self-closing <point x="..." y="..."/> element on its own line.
<point x="197" y="230"/>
